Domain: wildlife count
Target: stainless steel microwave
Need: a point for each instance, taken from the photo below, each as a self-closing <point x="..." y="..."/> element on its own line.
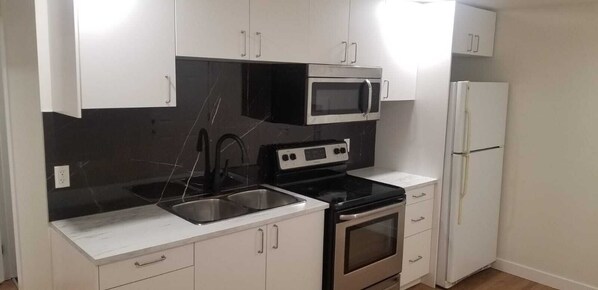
<point x="310" y="94"/>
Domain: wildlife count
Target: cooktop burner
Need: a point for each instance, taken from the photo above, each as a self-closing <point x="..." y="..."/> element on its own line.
<point x="346" y="191"/>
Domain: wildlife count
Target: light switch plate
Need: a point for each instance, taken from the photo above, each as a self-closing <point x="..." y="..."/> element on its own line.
<point x="62" y="177"/>
<point x="348" y="141"/>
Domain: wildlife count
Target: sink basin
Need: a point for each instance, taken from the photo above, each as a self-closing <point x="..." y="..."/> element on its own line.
<point x="260" y="199"/>
<point x="208" y="210"/>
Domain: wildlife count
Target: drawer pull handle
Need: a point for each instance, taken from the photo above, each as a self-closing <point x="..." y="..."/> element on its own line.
<point x="139" y="265"/>
<point x="421" y="218"/>
<point x="419" y="195"/>
<point x="416" y="259"/>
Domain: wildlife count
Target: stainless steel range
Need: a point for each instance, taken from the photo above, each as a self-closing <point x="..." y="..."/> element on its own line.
<point x="363" y="239"/>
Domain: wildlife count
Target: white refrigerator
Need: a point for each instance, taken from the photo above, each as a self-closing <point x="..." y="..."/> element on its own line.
<point x="471" y="188"/>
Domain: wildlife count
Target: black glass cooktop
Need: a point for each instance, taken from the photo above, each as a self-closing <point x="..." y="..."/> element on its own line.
<point x="347" y="191"/>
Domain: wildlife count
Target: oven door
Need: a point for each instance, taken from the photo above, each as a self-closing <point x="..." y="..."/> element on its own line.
<point x="369" y="247"/>
<point x="335" y="100"/>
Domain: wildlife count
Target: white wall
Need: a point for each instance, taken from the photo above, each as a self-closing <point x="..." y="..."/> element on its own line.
<point x="410" y="136"/>
<point x="25" y="145"/>
<point x="549" y="210"/>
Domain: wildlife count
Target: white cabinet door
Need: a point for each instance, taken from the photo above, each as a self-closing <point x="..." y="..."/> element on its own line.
<point x="401" y="51"/>
<point x="126" y="53"/>
<point x="329" y="31"/>
<point x="280" y="30"/>
<point x="486" y="28"/>
<point x="365" y="32"/>
<point x="295" y="250"/>
<point x="213" y="29"/>
<point x="235" y="261"/>
<point x="177" y="280"/>
<point x="473" y="31"/>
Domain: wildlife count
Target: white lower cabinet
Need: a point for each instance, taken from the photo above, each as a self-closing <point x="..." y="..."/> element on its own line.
<point x="235" y="261"/>
<point x="167" y="269"/>
<point x="284" y="255"/>
<point x="416" y="257"/>
<point x="180" y="280"/>
<point x="417" y="246"/>
<point x="294" y="256"/>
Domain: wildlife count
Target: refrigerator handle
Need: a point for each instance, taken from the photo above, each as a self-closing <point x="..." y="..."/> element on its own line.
<point x="465" y="166"/>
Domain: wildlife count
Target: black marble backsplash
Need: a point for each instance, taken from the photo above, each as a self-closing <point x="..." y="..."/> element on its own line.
<point x="111" y="147"/>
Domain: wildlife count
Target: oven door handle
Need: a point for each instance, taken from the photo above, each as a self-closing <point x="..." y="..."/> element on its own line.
<point x="348" y="217"/>
<point x="370" y="93"/>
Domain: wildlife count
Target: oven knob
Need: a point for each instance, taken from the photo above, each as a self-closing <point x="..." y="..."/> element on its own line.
<point x="285" y="157"/>
<point x="293" y="156"/>
<point x="343" y="150"/>
<point x="337" y="151"/>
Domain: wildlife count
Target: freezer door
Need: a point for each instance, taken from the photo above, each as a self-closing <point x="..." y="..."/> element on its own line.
<point x="481" y="115"/>
<point x="474" y="212"/>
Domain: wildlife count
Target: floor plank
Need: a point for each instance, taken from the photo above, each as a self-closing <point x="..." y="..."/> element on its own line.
<point x="8" y="285"/>
<point x="492" y="279"/>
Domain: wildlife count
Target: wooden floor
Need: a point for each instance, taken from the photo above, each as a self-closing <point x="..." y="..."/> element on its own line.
<point x="8" y="285"/>
<point x="492" y="279"/>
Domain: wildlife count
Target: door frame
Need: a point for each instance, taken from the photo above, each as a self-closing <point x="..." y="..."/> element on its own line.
<point x="8" y="265"/>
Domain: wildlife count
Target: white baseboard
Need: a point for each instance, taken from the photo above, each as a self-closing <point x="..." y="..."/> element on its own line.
<point x="539" y="276"/>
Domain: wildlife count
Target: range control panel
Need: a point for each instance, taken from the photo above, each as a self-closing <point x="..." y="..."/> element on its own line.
<point x="292" y="158"/>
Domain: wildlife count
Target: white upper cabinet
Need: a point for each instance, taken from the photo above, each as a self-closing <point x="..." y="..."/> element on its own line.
<point x="329" y="31"/>
<point x="474" y="31"/>
<point x="279" y="30"/>
<point x="365" y="33"/>
<point x="263" y="30"/>
<point x="111" y="54"/>
<point x="126" y="53"/>
<point x="213" y="29"/>
<point x="401" y="53"/>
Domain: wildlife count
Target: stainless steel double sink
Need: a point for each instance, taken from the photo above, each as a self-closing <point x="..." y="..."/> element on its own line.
<point x="213" y="209"/>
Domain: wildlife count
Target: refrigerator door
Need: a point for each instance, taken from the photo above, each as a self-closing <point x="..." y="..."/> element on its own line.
<point x="480" y="115"/>
<point x="474" y="212"/>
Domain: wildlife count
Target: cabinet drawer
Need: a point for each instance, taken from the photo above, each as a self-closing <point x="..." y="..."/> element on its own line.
<point x="145" y="266"/>
<point x="416" y="257"/>
<point x="418" y="217"/>
<point x="177" y="280"/>
<point x="420" y="194"/>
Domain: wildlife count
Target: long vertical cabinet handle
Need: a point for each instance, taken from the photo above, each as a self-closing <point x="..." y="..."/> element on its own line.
<point x="470" y="47"/>
<point x="275" y="245"/>
<point x="387" y="82"/>
<point x="261" y="251"/>
<point x="169" y="99"/>
<point x="355" y="54"/>
<point x="477" y="48"/>
<point x="466" y="152"/>
<point x="244" y="34"/>
<point x="346" y="44"/>
<point x="259" y="49"/>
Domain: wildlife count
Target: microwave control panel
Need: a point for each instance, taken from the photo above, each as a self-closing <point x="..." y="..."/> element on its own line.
<point x="293" y="158"/>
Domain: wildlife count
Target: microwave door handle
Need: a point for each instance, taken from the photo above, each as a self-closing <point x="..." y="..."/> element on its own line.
<point x="369" y="84"/>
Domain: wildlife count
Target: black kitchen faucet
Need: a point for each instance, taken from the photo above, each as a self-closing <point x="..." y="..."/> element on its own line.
<point x="213" y="178"/>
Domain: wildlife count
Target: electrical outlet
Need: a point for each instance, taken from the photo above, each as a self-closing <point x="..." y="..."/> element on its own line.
<point x="348" y="141"/>
<point x="62" y="177"/>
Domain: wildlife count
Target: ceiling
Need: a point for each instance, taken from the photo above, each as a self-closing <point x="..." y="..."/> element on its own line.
<point x="511" y="4"/>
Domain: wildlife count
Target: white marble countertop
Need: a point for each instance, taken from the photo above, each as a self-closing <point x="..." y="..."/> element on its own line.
<point x="397" y="178"/>
<point x="114" y="236"/>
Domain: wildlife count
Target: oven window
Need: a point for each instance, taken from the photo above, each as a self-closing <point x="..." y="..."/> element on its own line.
<point x="370" y="242"/>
